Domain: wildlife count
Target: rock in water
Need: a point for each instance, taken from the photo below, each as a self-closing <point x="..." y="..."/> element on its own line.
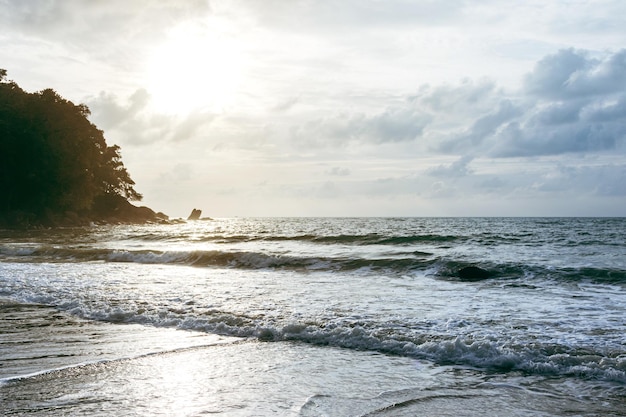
<point x="473" y="273"/>
<point x="195" y="214"/>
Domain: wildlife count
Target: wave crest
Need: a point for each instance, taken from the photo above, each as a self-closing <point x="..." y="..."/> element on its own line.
<point x="462" y="350"/>
<point x="398" y="263"/>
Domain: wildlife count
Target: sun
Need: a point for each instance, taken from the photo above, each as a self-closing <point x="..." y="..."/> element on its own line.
<point x="194" y="69"/>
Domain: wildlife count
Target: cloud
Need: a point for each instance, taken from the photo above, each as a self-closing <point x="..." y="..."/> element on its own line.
<point x="575" y="104"/>
<point x="79" y="47"/>
<point x="599" y="181"/>
<point x="492" y="184"/>
<point x="581" y="137"/>
<point x="569" y="74"/>
<point x="286" y="104"/>
<point x="482" y="128"/>
<point x="552" y="75"/>
<point x="338" y="172"/>
<point x="181" y="172"/>
<point x="465" y="97"/>
<point x="71" y="21"/>
<point x="131" y="121"/>
<point x="110" y="113"/>
<point x="569" y="103"/>
<point x="557" y="111"/>
<point x="458" y="168"/>
<point x="394" y="124"/>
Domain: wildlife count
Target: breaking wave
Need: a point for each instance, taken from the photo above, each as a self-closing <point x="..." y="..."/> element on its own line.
<point x="400" y="263"/>
<point x="492" y="355"/>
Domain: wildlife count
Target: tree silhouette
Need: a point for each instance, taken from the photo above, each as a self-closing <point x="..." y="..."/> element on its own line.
<point x="52" y="158"/>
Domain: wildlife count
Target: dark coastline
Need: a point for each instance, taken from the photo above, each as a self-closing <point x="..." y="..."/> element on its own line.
<point x="111" y="209"/>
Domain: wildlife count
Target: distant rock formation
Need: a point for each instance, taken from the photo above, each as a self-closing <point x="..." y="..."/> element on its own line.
<point x="195" y="214"/>
<point x="473" y="273"/>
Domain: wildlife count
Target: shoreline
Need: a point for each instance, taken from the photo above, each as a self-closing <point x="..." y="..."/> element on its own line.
<point x="38" y="339"/>
<point x="54" y="363"/>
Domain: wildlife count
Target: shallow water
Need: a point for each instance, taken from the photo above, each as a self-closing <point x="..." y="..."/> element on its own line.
<point x="94" y="368"/>
<point x="316" y="317"/>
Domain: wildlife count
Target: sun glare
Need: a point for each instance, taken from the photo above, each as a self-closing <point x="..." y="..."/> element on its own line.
<point x="194" y="69"/>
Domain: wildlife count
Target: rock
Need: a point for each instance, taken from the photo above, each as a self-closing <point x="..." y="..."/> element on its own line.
<point x="162" y="216"/>
<point x="195" y="214"/>
<point x="473" y="273"/>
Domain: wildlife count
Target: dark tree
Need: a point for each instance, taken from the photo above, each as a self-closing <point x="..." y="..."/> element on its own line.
<point x="52" y="158"/>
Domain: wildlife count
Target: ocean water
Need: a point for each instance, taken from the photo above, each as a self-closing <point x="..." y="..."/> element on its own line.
<point x="316" y="317"/>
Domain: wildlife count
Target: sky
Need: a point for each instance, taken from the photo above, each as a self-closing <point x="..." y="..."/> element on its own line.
<point x="344" y="107"/>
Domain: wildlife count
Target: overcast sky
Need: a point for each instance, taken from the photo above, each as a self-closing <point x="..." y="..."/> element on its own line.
<point x="344" y="107"/>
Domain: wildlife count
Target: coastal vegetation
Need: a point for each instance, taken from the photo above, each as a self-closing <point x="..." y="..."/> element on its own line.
<point x="56" y="167"/>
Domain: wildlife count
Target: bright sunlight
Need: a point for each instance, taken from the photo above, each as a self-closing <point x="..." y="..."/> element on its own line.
<point x="195" y="69"/>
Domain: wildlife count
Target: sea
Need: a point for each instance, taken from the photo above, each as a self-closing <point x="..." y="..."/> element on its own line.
<point x="315" y="317"/>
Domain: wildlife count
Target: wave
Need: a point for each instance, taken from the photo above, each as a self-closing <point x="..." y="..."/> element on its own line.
<point x="394" y="263"/>
<point x="470" y="350"/>
<point x="340" y="239"/>
<point x="599" y="275"/>
<point x="217" y="258"/>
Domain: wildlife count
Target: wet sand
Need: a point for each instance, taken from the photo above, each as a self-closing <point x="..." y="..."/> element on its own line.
<point x="36" y="338"/>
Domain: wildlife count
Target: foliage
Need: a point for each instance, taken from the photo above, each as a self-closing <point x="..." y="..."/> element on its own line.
<point x="52" y="158"/>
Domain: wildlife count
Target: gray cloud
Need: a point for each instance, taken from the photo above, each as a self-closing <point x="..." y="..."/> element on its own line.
<point x="556" y="113"/>
<point x="605" y="111"/>
<point x="338" y="172"/>
<point x="466" y="96"/>
<point x="571" y="138"/>
<point x="575" y="104"/>
<point x="482" y="128"/>
<point x="452" y="118"/>
<point x="570" y="103"/>
<point x="570" y="73"/>
<point x="553" y="75"/>
<point x="458" y="168"/>
<point x="394" y="124"/>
